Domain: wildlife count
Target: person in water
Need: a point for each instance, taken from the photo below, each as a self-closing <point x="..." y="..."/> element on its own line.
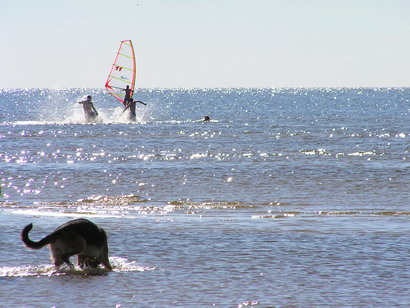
<point x="89" y="110"/>
<point x="207" y="119"/>
<point x="131" y="106"/>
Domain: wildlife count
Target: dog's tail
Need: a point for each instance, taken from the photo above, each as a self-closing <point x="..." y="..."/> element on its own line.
<point x="31" y="244"/>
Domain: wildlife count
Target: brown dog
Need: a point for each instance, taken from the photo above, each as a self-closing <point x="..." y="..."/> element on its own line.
<point x="76" y="237"/>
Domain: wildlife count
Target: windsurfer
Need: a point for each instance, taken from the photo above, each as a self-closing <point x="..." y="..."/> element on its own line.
<point x="127" y="95"/>
<point x="89" y="110"/>
<point x="131" y="105"/>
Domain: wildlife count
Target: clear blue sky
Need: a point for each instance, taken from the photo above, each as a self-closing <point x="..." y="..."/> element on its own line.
<point x="207" y="43"/>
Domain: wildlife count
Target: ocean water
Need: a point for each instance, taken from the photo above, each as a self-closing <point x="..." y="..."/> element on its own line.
<point x="287" y="197"/>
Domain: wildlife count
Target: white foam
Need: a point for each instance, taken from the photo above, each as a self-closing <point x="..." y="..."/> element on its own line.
<point x="119" y="264"/>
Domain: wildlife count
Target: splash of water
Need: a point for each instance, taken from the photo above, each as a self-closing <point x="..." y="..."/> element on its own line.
<point x="119" y="264"/>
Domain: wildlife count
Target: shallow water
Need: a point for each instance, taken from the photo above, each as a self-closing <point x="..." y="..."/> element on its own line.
<point x="288" y="197"/>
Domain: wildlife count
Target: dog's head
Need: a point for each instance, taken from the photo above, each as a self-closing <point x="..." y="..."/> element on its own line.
<point x="92" y="262"/>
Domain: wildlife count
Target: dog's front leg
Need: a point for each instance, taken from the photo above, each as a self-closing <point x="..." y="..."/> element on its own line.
<point x="80" y="261"/>
<point x="67" y="261"/>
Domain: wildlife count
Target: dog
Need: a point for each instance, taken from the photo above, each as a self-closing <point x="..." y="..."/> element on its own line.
<point x="79" y="237"/>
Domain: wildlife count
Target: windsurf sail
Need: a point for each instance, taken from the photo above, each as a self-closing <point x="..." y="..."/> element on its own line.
<point x="123" y="72"/>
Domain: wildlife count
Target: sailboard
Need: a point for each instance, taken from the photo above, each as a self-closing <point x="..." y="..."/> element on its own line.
<point x="123" y="72"/>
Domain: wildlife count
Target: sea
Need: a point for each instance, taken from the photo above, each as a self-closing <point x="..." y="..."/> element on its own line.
<point x="288" y="197"/>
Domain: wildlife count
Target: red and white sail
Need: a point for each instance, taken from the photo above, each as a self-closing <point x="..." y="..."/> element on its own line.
<point x="123" y="71"/>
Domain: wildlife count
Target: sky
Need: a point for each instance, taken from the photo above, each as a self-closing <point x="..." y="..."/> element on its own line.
<point x="207" y="43"/>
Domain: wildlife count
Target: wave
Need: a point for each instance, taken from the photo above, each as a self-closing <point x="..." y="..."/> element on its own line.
<point x="271" y="215"/>
<point x="106" y="119"/>
<point x="133" y="206"/>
